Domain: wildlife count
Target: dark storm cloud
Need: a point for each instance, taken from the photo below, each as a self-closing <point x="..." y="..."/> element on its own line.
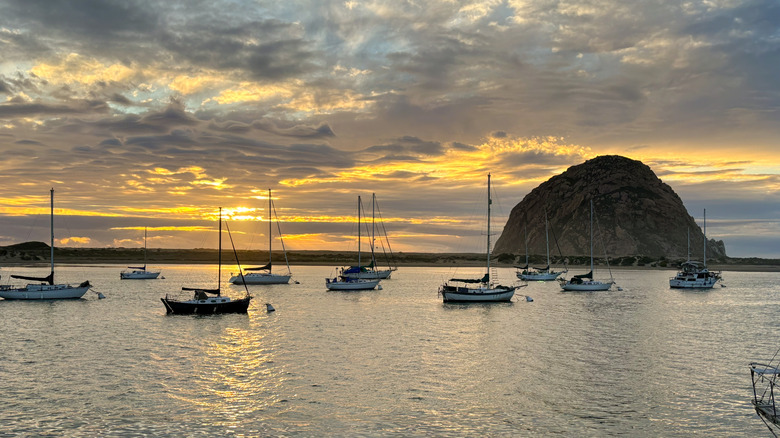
<point x="29" y="142"/>
<point x="16" y="109"/>
<point x="19" y="45"/>
<point x="409" y="145"/>
<point x="164" y="143"/>
<point x="92" y="18"/>
<point x="261" y="49"/>
<point x="204" y="34"/>
<point x="462" y="147"/>
<point x="118" y="98"/>
<point x="319" y="155"/>
<point x="230" y="126"/>
<point x="296" y="131"/>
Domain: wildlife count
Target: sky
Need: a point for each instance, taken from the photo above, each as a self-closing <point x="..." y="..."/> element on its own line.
<point x="155" y="113"/>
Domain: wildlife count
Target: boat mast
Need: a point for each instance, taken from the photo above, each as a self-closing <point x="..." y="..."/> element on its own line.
<point x="51" y="224"/>
<point x="359" y="204"/>
<point x="373" y="229"/>
<point x="705" y="237"/>
<point x="591" y="239"/>
<point x="547" y="238"/>
<point x="689" y="244"/>
<point x="144" y="248"/>
<point x="525" y="229"/>
<point x="488" y="231"/>
<point x="270" y="230"/>
<point x="219" y="267"/>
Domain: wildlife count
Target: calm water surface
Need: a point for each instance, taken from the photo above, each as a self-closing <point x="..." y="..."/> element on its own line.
<point x="644" y="361"/>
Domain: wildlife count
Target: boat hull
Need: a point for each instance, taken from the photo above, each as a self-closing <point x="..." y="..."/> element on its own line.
<point x="687" y="283"/>
<point x="586" y="286"/>
<point x="209" y="306"/>
<point x="369" y="275"/>
<point x="453" y="294"/>
<point x="139" y="275"/>
<point x="44" y="292"/>
<point x="256" y="278"/>
<point x="538" y="276"/>
<point x="362" y="284"/>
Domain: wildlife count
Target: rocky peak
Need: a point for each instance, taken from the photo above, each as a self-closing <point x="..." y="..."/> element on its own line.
<point x="635" y="214"/>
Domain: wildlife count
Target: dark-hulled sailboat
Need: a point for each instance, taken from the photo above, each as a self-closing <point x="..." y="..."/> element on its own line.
<point x="208" y="301"/>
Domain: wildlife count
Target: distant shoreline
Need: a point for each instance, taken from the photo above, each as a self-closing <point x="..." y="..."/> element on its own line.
<point x="19" y="255"/>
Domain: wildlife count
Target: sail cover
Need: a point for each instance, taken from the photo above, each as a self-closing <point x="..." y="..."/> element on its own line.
<point x="356" y="269"/>
<point x="49" y="279"/>
<point x="522" y="267"/>
<point x="143" y="268"/>
<point x="208" y="291"/>
<point x="471" y="280"/>
<point x="260" y="268"/>
<point x="545" y="269"/>
<point x="588" y="275"/>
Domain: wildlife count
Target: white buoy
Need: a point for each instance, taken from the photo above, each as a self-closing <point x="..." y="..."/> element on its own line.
<point x="100" y="295"/>
<point x="620" y="288"/>
<point x="269" y="307"/>
<point x="529" y="299"/>
<point x="379" y="287"/>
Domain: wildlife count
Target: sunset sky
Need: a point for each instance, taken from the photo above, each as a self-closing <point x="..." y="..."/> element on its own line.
<point x="155" y="113"/>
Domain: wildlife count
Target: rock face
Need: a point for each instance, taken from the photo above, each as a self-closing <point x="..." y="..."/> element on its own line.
<point x="635" y="214"/>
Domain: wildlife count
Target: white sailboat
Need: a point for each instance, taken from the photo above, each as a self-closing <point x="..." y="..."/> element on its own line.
<point x="345" y="283"/>
<point x="263" y="274"/>
<point x="467" y="290"/>
<point x="139" y="272"/>
<point x="530" y="273"/>
<point x="371" y="271"/>
<point x="46" y="289"/>
<point x="585" y="282"/>
<point x="692" y="274"/>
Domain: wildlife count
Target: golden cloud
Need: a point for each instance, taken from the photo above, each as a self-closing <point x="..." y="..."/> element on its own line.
<point x="192" y="84"/>
<point x="75" y="240"/>
<point x="78" y="69"/>
<point x="457" y="164"/>
<point x="252" y="92"/>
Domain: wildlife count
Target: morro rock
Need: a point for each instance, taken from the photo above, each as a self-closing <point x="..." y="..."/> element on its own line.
<point x="636" y="214"/>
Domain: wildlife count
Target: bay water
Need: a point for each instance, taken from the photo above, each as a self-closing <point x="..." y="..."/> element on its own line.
<point x="646" y="360"/>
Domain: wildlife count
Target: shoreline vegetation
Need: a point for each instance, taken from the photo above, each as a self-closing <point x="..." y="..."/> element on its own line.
<point x="37" y="253"/>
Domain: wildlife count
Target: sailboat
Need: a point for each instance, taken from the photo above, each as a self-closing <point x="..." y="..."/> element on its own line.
<point x="539" y="274"/>
<point x="251" y="275"/>
<point x="692" y="274"/>
<point x="765" y="378"/>
<point x="467" y="290"/>
<point x="371" y="271"/>
<point x="139" y="272"/>
<point x="204" y="304"/>
<point x="46" y="289"/>
<point x="585" y="282"/>
<point x="345" y="283"/>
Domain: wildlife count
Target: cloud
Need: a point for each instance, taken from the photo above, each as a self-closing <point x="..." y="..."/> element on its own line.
<point x="295" y="131"/>
<point x="75" y="241"/>
<point x="415" y="101"/>
<point x="16" y="109"/>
